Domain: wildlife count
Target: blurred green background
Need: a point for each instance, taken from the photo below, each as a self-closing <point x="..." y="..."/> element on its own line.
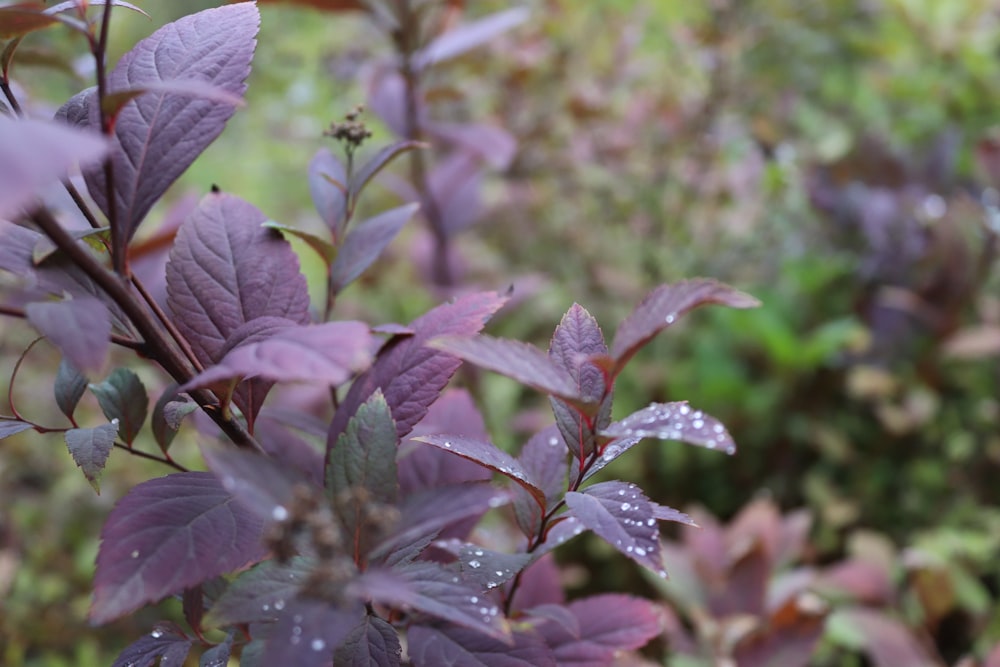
<point x="838" y="159"/>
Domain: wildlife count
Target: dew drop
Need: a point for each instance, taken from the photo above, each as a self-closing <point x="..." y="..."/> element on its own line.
<point x="626" y="507"/>
<point x="621" y="492"/>
<point x="494" y="611"/>
<point x="473" y="599"/>
<point x="156" y="634"/>
<point x="730" y="450"/>
<point x="474" y="564"/>
<point x="698" y="423"/>
<point x="662" y="574"/>
<point x="266" y="607"/>
<point x="485" y="611"/>
<point x="280" y="604"/>
<point x="279" y="513"/>
<point x="553" y="441"/>
<point x="629" y="549"/>
<point x="669" y="319"/>
<point x="295" y="639"/>
<point x="650" y="522"/>
<point x="478" y="552"/>
<point x="499" y="573"/>
<point x="685" y="409"/>
<point x="718" y="428"/>
<point x="317" y="645"/>
<point x="447" y="444"/>
<point x="135" y="553"/>
<point x="639" y="551"/>
<point x="496" y="501"/>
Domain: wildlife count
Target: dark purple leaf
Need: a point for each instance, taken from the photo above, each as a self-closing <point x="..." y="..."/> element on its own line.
<point x="454" y="646"/>
<point x="282" y="442"/>
<point x="491" y="144"/>
<point x="361" y="472"/>
<point x="560" y="531"/>
<point x="489" y="568"/>
<point x="69" y="388"/>
<point x="376" y="163"/>
<point x="412" y="375"/>
<point x="258" y="483"/>
<point x="123" y="397"/>
<point x="437" y="591"/>
<point x="664" y="306"/>
<point x="329" y="353"/>
<point x="407" y="553"/>
<point x="35" y="153"/>
<point x="218" y="655"/>
<point x="226" y="270"/>
<point x="160" y="134"/>
<point x="80" y="328"/>
<point x="165" y="646"/>
<point x="673" y="421"/>
<point x="622" y="516"/>
<point x="373" y="643"/>
<point x="543" y="459"/>
<point x="515" y="359"/>
<point x="307" y="634"/>
<point x="168" y="534"/>
<point x="470" y="36"/>
<point x="9" y="427"/>
<point x="608" y="624"/>
<point x="261" y="593"/>
<point x="488" y="455"/>
<point x="168" y="413"/>
<point x="664" y="513"/>
<point x="365" y="243"/>
<point x="328" y="187"/>
<point x="558" y="614"/>
<point x="541" y="585"/>
<point x="422" y="467"/>
<point x="90" y="448"/>
<point x="612" y="451"/>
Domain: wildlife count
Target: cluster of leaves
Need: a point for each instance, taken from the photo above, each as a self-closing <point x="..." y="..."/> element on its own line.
<point x="373" y="537"/>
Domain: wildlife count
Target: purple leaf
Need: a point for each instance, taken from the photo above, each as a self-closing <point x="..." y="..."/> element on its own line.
<point x="34" y="154"/>
<point x="608" y="624"/>
<point x="673" y="421"/>
<point x="436" y="590"/>
<point x="113" y="102"/>
<point x="373" y="643"/>
<point x="456" y="188"/>
<point x="69" y="388"/>
<point x="664" y="513"/>
<point x="327" y="353"/>
<point x="365" y="243"/>
<point x="664" y="306"/>
<point x="455" y="646"/>
<point x="412" y="375"/>
<point x="361" y="472"/>
<point x="168" y="413"/>
<point x="543" y="459"/>
<point x="488" y="455"/>
<point x="307" y="633"/>
<point x="9" y="427"/>
<point x="90" y="448"/>
<point x="262" y="593"/>
<point x="541" y="585"/>
<point x="491" y="144"/>
<point x="563" y="529"/>
<point x="470" y="36"/>
<point x="165" y="646"/>
<point x="80" y="328"/>
<point x="73" y="4"/>
<point x="520" y="361"/>
<point x="884" y="639"/>
<point x="490" y="569"/>
<point x="326" y="250"/>
<point x="387" y="98"/>
<point x="366" y="172"/>
<point x="122" y="397"/>
<point x="160" y="134"/>
<point x="621" y="515"/>
<point x="281" y="441"/>
<point x="612" y="451"/>
<point x="168" y="534"/>
<point x="226" y="270"/>
<point x="328" y="187"/>
<point x="218" y="655"/>
<point x="258" y="483"/>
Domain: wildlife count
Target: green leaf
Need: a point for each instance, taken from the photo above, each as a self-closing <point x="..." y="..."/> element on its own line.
<point x="90" y="448"/>
<point x="123" y="397"/>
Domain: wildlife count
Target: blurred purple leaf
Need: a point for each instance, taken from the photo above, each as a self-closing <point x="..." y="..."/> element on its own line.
<point x="387" y="98"/>
<point x="455" y="185"/>
<point x="165" y="645"/>
<point x="90" y="448"/>
<point x="886" y="641"/>
<point x="363" y="175"/>
<point x="160" y="134"/>
<point x="262" y="593"/>
<point x="543" y="459"/>
<point x="19" y="18"/>
<point x="260" y="484"/>
<point x="664" y="513"/>
<point x="608" y="624"/>
<point x="73" y="4"/>
<point x="435" y="646"/>
<point x="35" y="153"/>
<point x="328" y="188"/>
<point x="673" y="421"/>
<point x="226" y="270"/>
<point x="521" y="361"/>
<point x="470" y="36"/>
<point x="486" y="454"/>
<point x="372" y="643"/>
<point x="281" y="441"/>
<point x="80" y="328"/>
<point x="410" y="374"/>
<point x="326" y="250"/>
<point x="493" y="145"/>
<point x="168" y="534"/>
<point x="307" y="633"/>
<point x="123" y="397"/>
<point x="664" y="306"/>
<point x="365" y="243"/>
<point x="622" y="516"/>
<point x="9" y="427"/>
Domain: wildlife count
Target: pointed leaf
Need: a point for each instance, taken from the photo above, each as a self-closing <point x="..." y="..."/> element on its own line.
<point x="488" y="568"/>
<point x="218" y="655"/>
<point x="226" y="270"/>
<point x="602" y="634"/>
<point x="261" y="593"/>
<point x="411" y="375"/>
<point x="373" y="643"/>
<point x="328" y="188"/>
<point x="168" y="534"/>
<point x="437" y="591"/>
<point x="471" y="35"/>
<point x="611" y="451"/>
<point x="543" y="459"/>
<point x="664" y="306"/>
<point x="674" y="421"/>
<point x="73" y="4"/>
<point x="621" y="515"/>
<point x="123" y="397"/>
<point x="168" y="413"/>
<point x="364" y="174"/>
<point x="165" y="646"/>
<point x="90" y="448"/>
<point x="307" y="633"/>
<point x="35" y="153"/>
<point x="488" y="455"/>
<point x="161" y="133"/>
<point x="9" y="427"/>
<point x="361" y="473"/>
<point x="365" y="243"/>
<point x="434" y="646"/>
<point x="323" y="248"/>
<point x="20" y="18"/>
<point x="520" y="361"/>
